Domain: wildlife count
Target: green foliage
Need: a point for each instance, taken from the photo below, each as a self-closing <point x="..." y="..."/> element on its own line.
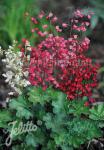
<point x="77" y="107"/>
<point x="20" y="106"/>
<point x="5" y="116"/>
<point x="98" y="7"/>
<point x="97" y="112"/>
<point x="64" y="124"/>
<point x="13" y="21"/>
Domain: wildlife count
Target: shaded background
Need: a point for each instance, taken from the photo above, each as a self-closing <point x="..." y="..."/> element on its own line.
<point x="15" y="24"/>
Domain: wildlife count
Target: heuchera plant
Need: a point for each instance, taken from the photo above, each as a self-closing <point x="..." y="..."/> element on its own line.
<point x="61" y="61"/>
<point x="57" y="60"/>
<point x="54" y="80"/>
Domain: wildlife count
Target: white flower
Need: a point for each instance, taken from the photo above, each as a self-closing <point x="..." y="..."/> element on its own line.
<point x="14" y="64"/>
<point x="11" y="93"/>
<point x="28" y="57"/>
<point x="1" y="51"/>
<point x="7" y="99"/>
<point x="8" y="75"/>
<point x="26" y="73"/>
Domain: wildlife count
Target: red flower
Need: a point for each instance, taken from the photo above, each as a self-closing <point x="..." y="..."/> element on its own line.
<point x="86" y="104"/>
<point x="66" y="69"/>
<point x="61" y="62"/>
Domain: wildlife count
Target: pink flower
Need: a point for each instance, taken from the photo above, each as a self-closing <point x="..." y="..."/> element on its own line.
<point x="54" y="19"/>
<point x="34" y="20"/>
<point x="41" y="15"/>
<point x="45" y="26"/>
<point x="78" y="13"/>
<point x="50" y="15"/>
<point x="58" y="29"/>
<point x="33" y="30"/>
<point x="92" y="100"/>
<point x="64" y="25"/>
<point x="86" y="104"/>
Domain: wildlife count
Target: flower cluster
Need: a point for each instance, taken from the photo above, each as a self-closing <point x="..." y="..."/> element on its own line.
<point x="62" y="62"/>
<point x="15" y="75"/>
<point x="55" y="60"/>
<point x="79" y="23"/>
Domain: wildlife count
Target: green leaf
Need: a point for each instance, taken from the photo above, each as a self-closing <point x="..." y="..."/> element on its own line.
<point x="48" y="121"/>
<point x="81" y="130"/>
<point x="37" y="95"/>
<point x="30" y="140"/>
<point x="94" y="21"/>
<point x="5" y="116"/>
<point x="59" y="104"/>
<point x="21" y="107"/>
<point x="65" y="147"/>
<point x="51" y="145"/>
<point x="97" y="112"/>
<point x="35" y="138"/>
<point x="77" y="108"/>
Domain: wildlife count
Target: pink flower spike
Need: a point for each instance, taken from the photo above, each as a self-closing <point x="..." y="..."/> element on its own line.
<point x="45" y="26"/>
<point x="89" y="16"/>
<point x="24" y="40"/>
<point x="58" y="29"/>
<point x="75" y="36"/>
<point x="87" y="40"/>
<point x="87" y="23"/>
<point x="50" y="15"/>
<point x="75" y="27"/>
<point x="36" y="29"/>
<point x="34" y="20"/>
<point x="33" y="30"/>
<point x="78" y="13"/>
<point x="41" y="15"/>
<point x="40" y="34"/>
<point x="64" y="25"/>
<point x="54" y="19"/>
<point x="82" y="28"/>
<point x="76" y="21"/>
